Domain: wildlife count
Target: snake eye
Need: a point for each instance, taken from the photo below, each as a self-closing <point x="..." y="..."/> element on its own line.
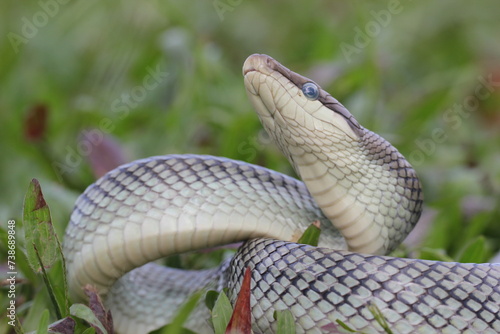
<point x="310" y="90"/>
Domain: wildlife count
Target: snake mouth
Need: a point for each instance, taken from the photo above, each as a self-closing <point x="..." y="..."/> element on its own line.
<point x="258" y="62"/>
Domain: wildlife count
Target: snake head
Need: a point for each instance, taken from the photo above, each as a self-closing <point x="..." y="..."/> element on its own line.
<point x="298" y="114"/>
<point x="362" y="183"/>
<point x="288" y="97"/>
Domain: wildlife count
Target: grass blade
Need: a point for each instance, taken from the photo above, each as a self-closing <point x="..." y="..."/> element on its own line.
<point x="50" y="289"/>
<point x="18" y="329"/>
<point x="311" y="235"/>
<point x="344" y="326"/>
<point x="379" y="317"/>
<point x="176" y="326"/>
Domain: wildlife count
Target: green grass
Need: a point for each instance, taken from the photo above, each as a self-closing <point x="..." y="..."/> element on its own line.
<point x="412" y="82"/>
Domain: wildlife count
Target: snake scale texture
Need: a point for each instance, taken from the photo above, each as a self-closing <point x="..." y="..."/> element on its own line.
<point x="365" y="194"/>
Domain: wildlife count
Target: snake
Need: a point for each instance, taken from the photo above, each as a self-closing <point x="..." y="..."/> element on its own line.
<point x="360" y="189"/>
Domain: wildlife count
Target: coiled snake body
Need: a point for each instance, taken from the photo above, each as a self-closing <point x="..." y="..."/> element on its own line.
<point x="362" y="190"/>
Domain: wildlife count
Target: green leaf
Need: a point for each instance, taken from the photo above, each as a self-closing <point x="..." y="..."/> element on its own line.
<point x="42" y="244"/>
<point x="475" y="251"/>
<point x="434" y="255"/>
<point x="44" y="323"/>
<point x="286" y="322"/>
<point x="175" y="327"/>
<point x="221" y="313"/>
<point x="89" y="330"/>
<point x="311" y="235"/>
<point x="57" y="277"/>
<point x="84" y="312"/>
<point x="167" y="329"/>
<point x="38" y="228"/>
<point x="211" y="298"/>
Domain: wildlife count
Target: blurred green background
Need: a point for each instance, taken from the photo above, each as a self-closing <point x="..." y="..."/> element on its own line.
<point x="160" y="77"/>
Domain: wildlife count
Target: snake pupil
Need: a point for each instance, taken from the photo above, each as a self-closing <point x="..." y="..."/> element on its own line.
<point x="310" y="90"/>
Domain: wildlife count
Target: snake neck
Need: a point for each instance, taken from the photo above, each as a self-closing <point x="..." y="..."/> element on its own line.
<point x="364" y="186"/>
